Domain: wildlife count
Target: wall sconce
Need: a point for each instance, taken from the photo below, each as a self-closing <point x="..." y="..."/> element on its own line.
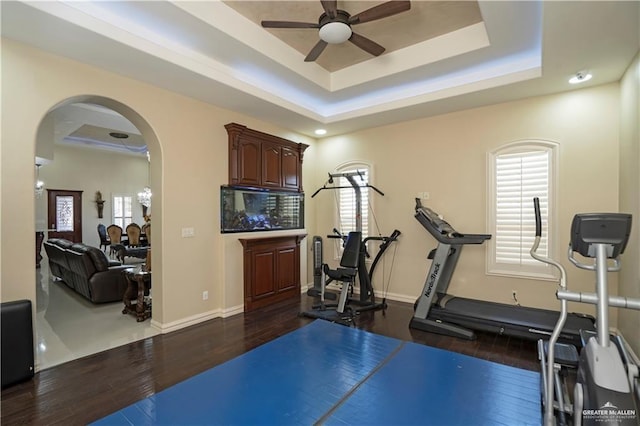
<point x="99" y="204"/>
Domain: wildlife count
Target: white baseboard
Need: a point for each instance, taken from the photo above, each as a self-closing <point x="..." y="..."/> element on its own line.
<point x="185" y="322"/>
<point x="234" y="310"/>
<point x="196" y="319"/>
<point x="399" y="297"/>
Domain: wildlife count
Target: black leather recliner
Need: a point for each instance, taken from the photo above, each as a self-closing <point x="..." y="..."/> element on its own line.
<point x="56" y="252"/>
<point x="87" y="270"/>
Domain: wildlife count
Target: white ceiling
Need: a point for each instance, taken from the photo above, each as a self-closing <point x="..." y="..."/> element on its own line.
<point x="89" y="126"/>
<point x="209" y="51"/>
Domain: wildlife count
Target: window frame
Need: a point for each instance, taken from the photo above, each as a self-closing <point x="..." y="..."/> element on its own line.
<point x="539" y="270"/>
<point x="349" y="167"/>
<point x="123" y="217"/>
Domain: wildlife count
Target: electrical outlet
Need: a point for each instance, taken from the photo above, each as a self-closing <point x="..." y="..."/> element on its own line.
<point x="188" y="232"/>
<point x="423" y="195"/>
<point x="205" y="295"/>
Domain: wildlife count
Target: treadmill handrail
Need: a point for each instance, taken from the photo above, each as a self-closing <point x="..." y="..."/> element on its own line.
<point x="442" y="230"/>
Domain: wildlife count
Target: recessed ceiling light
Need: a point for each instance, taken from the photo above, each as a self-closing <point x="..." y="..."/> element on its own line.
<point x="118" y="135"/>
<point x="580" y="77"/>
<point x="320" y="132"/>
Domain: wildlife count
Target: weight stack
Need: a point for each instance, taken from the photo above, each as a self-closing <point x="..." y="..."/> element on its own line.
<point x="316" y="247"/>
<point x="317" y="261"/>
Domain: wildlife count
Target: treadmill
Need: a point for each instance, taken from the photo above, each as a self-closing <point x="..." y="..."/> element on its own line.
<point x="438" y="312"/>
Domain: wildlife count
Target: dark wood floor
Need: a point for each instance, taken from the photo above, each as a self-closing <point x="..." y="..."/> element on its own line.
<point x="90" y="388"/>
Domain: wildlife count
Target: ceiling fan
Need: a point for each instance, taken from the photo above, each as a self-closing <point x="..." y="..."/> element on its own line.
<point x="335" y="26"/>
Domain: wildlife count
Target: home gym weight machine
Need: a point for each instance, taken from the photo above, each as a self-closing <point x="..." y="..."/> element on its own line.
<point x="323" y="275"/>
<point x="607" y="391"/>
<point x="438" y="312"/>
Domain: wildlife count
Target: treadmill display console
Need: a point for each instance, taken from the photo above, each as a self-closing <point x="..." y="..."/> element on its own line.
<point x="442" y="230"/>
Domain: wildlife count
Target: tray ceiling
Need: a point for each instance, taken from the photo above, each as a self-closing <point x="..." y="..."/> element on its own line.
<point x="441" y="56"/>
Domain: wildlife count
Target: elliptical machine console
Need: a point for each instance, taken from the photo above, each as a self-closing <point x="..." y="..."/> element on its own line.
<point x="606" y="390"/>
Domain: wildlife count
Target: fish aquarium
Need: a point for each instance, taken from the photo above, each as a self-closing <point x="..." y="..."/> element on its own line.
<point x="247" y="210"/>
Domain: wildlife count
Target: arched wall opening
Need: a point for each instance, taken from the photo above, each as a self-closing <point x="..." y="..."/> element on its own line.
<point x="44" y="136"/>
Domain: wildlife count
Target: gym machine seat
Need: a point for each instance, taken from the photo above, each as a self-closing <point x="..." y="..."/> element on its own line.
<point x="346" y="274"/>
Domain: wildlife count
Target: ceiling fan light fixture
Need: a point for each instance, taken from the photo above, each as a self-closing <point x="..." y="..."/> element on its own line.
<point x="335" y="32"/>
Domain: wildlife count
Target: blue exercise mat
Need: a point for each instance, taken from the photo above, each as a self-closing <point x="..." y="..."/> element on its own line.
<point x="333" y="374"/>
<point x="429" y="386"/>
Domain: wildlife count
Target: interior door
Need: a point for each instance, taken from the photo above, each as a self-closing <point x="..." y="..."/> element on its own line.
<point x="65" y="214"/>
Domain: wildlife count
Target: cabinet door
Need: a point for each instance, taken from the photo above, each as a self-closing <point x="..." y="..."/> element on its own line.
<point x="290" y="169"/>
<point x="271" y="165"/>
<point x="287" y="269"/>
<point x="263" y="274"/>
<point x="248" y="162"/>
<point x="271" y="270"/>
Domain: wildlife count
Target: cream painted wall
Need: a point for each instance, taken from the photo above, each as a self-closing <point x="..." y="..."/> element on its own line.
<point x="447" y="157"/>
<point x="188" y="145"/>
<point x="444" y="155"/>
<point x="91" y="170"/>
<point x="629" y="322"/>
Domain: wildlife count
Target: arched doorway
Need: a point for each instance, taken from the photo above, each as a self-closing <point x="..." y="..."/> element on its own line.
<point x="69" y="326"/>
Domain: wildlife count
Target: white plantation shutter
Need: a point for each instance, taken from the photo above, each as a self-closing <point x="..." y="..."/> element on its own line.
<point x="347" y="201"/>
<point x="519" y="178"/>
<point x="122" y="210"/>
<point x="519" y="175"/>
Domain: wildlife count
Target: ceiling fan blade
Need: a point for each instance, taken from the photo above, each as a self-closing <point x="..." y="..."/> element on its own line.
<point x="381" y="11"/>
<point x="316" y="51"/>
<point x="330" y="7"/>
<point x="366" y="44"/>
<point x="288" y="24"/>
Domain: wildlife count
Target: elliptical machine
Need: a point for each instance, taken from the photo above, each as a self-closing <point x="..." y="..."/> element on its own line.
<point x="607" y="390"/>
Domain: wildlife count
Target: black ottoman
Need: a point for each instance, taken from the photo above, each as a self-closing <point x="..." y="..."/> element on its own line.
<point x="16" y="341"/>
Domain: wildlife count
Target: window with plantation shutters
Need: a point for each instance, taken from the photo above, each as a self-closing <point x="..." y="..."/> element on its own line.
<point x="347" y="200"/>
<point x="520" y="172"/>
<point x="122" y="210"/>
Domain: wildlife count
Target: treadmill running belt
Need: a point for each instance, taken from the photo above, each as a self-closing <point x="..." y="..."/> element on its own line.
<point x="527" y="322"/>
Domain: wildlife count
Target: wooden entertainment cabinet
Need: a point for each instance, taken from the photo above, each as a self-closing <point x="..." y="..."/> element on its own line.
<point x="261" y="160"/>
<point x="266" y="162"/>
<point x="271" y="270"/>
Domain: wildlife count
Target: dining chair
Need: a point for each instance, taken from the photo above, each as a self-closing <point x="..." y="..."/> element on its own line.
<point x="104" y="238"/>
<point x="146" y="230"/>
<point x="115" y="235"/>
<point x="133" y="233"/>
